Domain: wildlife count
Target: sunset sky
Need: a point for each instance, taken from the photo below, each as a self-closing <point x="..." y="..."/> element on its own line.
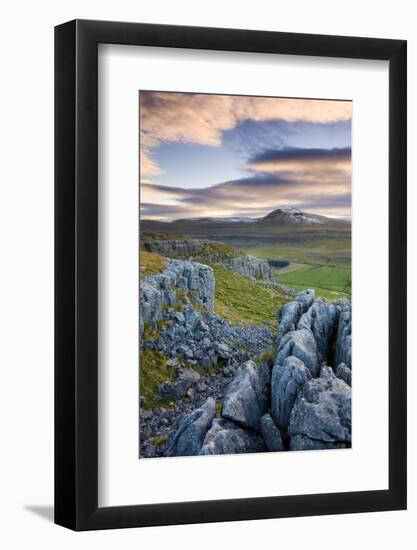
<point x="214" y="155"/>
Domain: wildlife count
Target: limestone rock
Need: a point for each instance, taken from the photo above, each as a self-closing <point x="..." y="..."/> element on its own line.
<point x="190" y="435"/>
<point x="306" y="298"/>
<point x="304" y="443"/>
<point x="344" y="372"/>
<point x="320" y="318"/>
<point x="344" y="338"/>
<point x="322" y="410"/>
<point x="286" y="381"/>
<point x="226" y="437"/>
<point x="271" y="434"/>
<point x="301" y="344"/>
<point x="247" y="396"/>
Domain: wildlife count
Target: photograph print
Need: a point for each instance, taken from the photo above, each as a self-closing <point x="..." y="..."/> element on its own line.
<point x="245" y="274"/>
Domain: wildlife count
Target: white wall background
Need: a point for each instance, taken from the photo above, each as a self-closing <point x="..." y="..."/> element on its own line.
<point x="26" y="288"/>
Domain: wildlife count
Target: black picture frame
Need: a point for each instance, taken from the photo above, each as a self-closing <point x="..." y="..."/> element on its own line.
<point x="76" y="272"/>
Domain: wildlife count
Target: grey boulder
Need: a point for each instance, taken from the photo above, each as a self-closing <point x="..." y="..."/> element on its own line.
<point x="225" y="437"/>
<point x="304" y="443"/>
<point x="288" y="317"/>
<point x="305" y="298"/>
<point x="322" y="410"/>
<point x="286" y="381"/>
<point x="190" y="435"/>
<point x="344" y="373"/>
<point x="320" y="318"/>
<point x="344" y="336"/>
<point x="271" y="434"/>
<point x="247" y="396"/>
<point x="301" y="344"/>
<point x="186" y="378"/>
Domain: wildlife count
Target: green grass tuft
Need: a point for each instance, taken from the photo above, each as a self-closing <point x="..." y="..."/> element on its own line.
<point x="151" y="263"/>
<point x="266" y="357"/>
<point x="158" y="440"/>
<point x="153" y="371"/>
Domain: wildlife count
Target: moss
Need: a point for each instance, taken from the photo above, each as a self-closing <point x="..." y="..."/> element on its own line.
<point x="153" y="371"/>
<point x="218" y="410"/>
<point x="158" y="440"/>
<point x="178" y="306"/>
<point x="182" y="296"/>
<point x="242" y="300"/>
<point x="160" y="324"/>
<point x="149" y="332"/>
<point x="151" y="263"/>
<point x="266" y="357"/>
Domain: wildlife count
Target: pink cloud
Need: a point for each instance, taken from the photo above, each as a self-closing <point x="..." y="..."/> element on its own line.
<point x="202" y="119"/>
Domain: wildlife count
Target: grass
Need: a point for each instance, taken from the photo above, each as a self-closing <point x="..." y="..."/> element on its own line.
<point x="319" y="250"/>
<point x="329" y="282"/>
<point x="239" y="299"/>
<point x="318" y="262"/>
<point x="153" y="371"/>
<point x="266" y="357"/>
<point x="158" y="440"/>
<point x="151" y="263"/>
<point x="293" y="266"/>
<point x="149" y="332"/>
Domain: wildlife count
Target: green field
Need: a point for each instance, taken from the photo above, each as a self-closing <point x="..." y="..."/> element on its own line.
<point x="314" y="251"/>
<point x="317" y="262"/>
<point x="329" y="282"/>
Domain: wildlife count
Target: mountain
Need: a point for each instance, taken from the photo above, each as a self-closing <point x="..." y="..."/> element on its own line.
<point x="238" y="219"/>
<point x="288" y="216"/>
<point x="281" y="217"/>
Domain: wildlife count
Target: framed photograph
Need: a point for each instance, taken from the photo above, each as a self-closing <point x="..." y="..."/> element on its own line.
<point x="230" y="244"/>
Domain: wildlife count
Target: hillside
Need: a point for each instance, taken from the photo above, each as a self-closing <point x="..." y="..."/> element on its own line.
<point x="282" y="229"/>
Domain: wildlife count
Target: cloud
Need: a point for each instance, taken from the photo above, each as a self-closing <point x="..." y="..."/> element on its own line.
<point x="148" y="167"/>
<point x="203" y="118"/>
<point x="302" y="160"/>
<point x="316" y="180"/>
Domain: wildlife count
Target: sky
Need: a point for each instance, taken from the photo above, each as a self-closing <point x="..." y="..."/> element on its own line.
<point x="226" y="156"/>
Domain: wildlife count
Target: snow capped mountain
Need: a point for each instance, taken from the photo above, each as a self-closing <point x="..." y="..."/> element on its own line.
<point x="287" y="215"/>
<point x="284" y="216"/>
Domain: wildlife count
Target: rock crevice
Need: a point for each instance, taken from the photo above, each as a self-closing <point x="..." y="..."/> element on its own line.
<point x="301" y="402"/>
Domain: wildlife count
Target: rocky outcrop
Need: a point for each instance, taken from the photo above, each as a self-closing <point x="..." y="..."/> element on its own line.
<point x="192" y="279"/>
<point x="206" y="251"/>
<point x="185" y="379"/>
<point x="250" y="266"/>
<point x="247" y="397"/>
<point x="287" y="380"/>
<point x="288" y="317"/>
<point x="271" y="434"/>
<point x="190" y="436"/>
<point x="311" y="401"/>
<point x="226" y="437"/>
<point x="320" y="320"/>
<point x="204" y="338"/>
<point x="300" y="402"/>
<point x="344" y="373"/>
<point x="322" y="410"/>
<point x="344" y="338"/>
<point x="304" y="443"/>
<point x="188" y="249"/>
<point x="301" y="344"/>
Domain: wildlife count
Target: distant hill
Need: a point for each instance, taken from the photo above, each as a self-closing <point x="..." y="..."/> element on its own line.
<point x="284" y="217"/>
